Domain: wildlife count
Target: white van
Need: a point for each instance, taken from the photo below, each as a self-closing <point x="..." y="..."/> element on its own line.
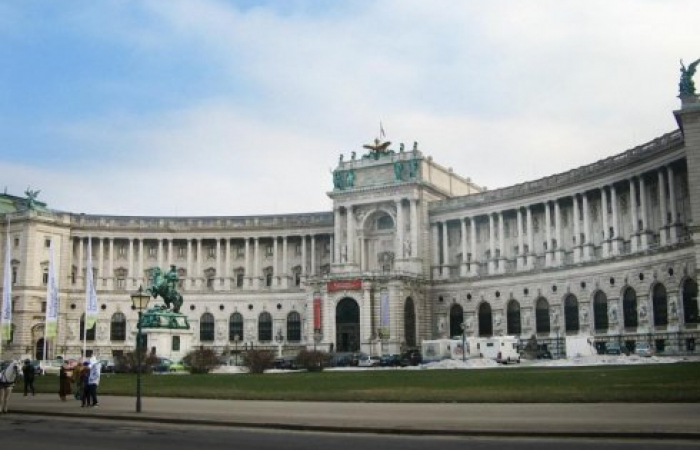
<point x="502" y="349"/>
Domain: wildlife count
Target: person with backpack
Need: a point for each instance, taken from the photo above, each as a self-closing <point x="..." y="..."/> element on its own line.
<point x="28" y="376"/>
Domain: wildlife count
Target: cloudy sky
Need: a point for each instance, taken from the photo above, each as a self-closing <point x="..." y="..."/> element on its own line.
<point x="213" y="107"/>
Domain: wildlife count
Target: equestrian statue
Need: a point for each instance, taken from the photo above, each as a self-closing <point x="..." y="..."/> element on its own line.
<point x="164" y="285"/>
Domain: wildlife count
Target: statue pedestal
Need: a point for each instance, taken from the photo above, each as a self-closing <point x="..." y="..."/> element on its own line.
<point x="168" y="333"/>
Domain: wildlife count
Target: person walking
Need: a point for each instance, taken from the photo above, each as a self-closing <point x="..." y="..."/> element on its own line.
<point x="93" y="382"/>
<point x="28" y="376"/>
<point x="65" y="381"/>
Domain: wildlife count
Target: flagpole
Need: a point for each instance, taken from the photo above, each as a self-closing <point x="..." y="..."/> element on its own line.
<point x="6" y="290"/>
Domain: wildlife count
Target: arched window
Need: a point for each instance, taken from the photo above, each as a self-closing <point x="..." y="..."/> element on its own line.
<point x="600" y="311"/>
<point x="542" y="316"/>
<point x="571" y="324"/>
<point x="690" y="301"/>
<point x="235" y="327"/>
<point x="485" y="320"/>
<point x="409" y="323"/>
<point x="117" y="329"/>
<point x="206" y="327"/>
<point x="660" y="305"/>
<point x="293" y="327"/>
<point x="514" y="325"/>
<point x="264" y="327"/>
<point x="456" y="319"/>
<point x="385" y="222"/>
<point x="629" y="308"/>
<point x="90" y="332"/>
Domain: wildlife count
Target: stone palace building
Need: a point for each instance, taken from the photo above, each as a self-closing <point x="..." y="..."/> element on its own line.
<point x="411" y="251"/>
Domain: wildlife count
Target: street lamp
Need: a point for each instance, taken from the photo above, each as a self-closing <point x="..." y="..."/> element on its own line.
<point x="140" y="301"/>
<point x="463" y="326"/>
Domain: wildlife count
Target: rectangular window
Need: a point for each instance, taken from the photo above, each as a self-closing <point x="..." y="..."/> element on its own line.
<point x="176" y="344"/>
<point x="152" y="250"/>
<point x="14" y="276"/>
<point x="240" y="251"/>
<point x="47" y="243"/>
<point x="298" y="250"/>
<point x="43" y="307"/>
<point x="268" y="250"/>
<point x="121" y="283"/>
<point x="182" y="251"/>
<point x="16" y="242"/>
<point x="239" y="280"/>
<point x="122" y="250"/>
<point x="45" y="278"/>
<point x="211" y="251"/>
<point x="210" y="283"/>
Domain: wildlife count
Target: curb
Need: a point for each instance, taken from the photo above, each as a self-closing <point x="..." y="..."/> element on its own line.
<point x="690" y="436"/>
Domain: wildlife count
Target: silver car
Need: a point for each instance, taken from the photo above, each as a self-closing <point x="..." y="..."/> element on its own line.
<point x="642" y="349"/>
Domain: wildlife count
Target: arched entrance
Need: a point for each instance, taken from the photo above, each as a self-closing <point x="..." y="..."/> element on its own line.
<point x="347" y="325"/>
<point x="456" y="319"/>
<point x="485" y="320"/>
<point x="571" y="324"/>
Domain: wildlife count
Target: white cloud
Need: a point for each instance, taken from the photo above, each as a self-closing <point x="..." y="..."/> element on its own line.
<point x="544" y="85"/>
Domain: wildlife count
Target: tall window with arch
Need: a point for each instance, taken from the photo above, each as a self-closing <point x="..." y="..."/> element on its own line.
<point x="294" y="327"/>
<point x="660" y="305"/>
<point x="690" y="301"/>
<point x="600" y="311"/>
<point x="117" y="329"/>
<point x="571" y="323"/>
<point x="235" y="327"/>
<point x="206" y="327"/>
<point x="485" y="320"/>
<point x="542" y="323"/>
<point x="629" y="308"/>
<point x="514" y="325"/>
<point x="264" y="327"/>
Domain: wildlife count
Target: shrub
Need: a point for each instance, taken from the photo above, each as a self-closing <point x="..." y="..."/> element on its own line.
<point x="128" y="362"/>
<point x="258" y="361"/>
<point x="202" y="360"/>
<point x="313" y="360"/>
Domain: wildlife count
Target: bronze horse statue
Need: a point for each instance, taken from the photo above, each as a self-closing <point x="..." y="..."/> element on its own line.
<point x="164" y="285"/>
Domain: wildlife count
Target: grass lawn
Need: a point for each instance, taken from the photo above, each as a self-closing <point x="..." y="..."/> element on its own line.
<point x="678" y="382"/>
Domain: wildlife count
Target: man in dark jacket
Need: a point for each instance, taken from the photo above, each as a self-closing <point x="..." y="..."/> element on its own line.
<point x="28" y="376"/>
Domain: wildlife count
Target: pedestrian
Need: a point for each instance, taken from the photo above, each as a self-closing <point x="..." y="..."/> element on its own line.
<point x="28" y="375"/>
<point x="93" y="382"/>
<point x="76" y="381"/>
<point x="65" y="380"/>
<point x="84" y="378"/>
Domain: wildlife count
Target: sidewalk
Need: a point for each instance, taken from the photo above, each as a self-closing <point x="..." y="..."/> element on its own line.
<point x="677" y="420"/>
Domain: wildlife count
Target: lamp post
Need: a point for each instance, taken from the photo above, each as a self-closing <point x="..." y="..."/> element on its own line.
<point x="140" y="301"/>
<point x="463" y="326"/>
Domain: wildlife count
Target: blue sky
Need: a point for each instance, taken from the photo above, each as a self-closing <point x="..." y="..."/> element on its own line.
<point x="212" y="107"/>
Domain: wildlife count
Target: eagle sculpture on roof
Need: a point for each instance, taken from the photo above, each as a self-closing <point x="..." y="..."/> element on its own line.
<point x="378" y="147"/>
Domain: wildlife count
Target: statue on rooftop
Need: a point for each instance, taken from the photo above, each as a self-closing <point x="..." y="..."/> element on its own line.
<point x="686" y="86"/>
<point x="31" y="198"/>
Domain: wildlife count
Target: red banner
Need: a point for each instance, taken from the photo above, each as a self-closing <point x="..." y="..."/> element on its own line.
<point x="317" y="313"/>
<point x="344" y="285"/>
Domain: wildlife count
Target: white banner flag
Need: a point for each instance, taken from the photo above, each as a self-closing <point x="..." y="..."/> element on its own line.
<point x="90" y="293"/>
<point x="51" y="299"/>
<point x="6" y="313"/>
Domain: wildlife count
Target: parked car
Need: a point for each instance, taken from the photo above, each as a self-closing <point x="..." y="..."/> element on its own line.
<point x="411" y="358"/>
<point x="286" y="363"/>
<point x="341" y="360"/>
<point x="642" y="349"/>
<point x="356" y="357"/>
<point x="543" y="353"/>
<point x="390" y="360"/>
<point x="368" y="361"/>
<point x="165" y="365"/>
<point x="107" y="366"/>
<point x="612" y="348"/>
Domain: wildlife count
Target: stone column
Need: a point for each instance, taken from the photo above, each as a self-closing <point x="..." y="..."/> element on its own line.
<point x="337" y="237"/>
<point x="673" y="235"/>
<point x="313" y="255"/>
<point x="256" y="263"/>
<point x="463" y="267"/>
<point x="190" y="266"/>
<point x="634" y="237"/>
<point x="663" y="213"/>
<point x="415" y="226"/>
<point x="436" y="250"/>
<point x="501" y="244"/>
<point x="200" y="257"/>
<point x="81" y="252"/>
<point x="474" y="265"/>
<point x="141" y="260"/>
<point x="492" y="246"/>
<point x="578" y="242"/>
<point x="303" y="255"/>
<point x="130" y="258"/>
<point x="616" y="241"/>
<point x="445" y="251"/>
<point x="171" y="257"/>
<point x="530" y="238"/>
<point x="111" y="264"/>
<point x="400" y="227"/>
<point x="588" y="243"/>
<point x="350" y="217"/>
<point x="521" y="241"/>
<point x="218" y="261"/>
<point x="559" y="248"/>
<point x="548" y="234"/>
<point x="227" y="265"/>
<point x="604" y="215"/>
<point x="644" y="216"/>
<point x="101" y="262"/>
<point x="160" y="252"/>
<point x="285" y="262"/>
<point x="275" y="267"/>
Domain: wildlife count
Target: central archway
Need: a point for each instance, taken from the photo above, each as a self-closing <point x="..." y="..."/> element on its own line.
<point x="347" y="325"/>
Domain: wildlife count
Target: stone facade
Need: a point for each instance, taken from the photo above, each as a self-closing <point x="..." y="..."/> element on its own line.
<point x="411" y="251"/>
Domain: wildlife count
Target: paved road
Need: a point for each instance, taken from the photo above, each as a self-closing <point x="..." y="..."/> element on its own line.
<point x="34" y="432"/>
<point x="678" y="420"/>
